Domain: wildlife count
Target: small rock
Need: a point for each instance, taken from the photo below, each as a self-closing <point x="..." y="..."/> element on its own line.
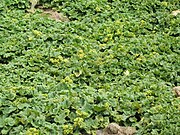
<point x="99" y="132"/>
<point x="176" y="12"/>
<point x="115" y="129"/>
<point x="177" y="90"/>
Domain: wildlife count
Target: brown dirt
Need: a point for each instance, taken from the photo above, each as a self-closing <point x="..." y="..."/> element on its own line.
<point x="55" y="15"/>
<point x="50" y="13"/>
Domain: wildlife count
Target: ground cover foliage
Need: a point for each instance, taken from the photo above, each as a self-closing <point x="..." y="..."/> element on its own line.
<point x="114" y="61"/>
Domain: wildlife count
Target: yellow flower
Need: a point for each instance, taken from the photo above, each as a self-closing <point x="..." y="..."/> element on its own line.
<point x="80" y="54"/>
<point x="102" y="45"/>
<point x="67" y="129"/>
<point x="98" y="9"/>
<point x="78" y="121"/>
<point x="37" y="33"/>
<point x="32" y="131"/>
<point x="68" y="79"/>
<point x="106" y="105"/>
<point x="30" y="38"/>
<point x="164" y="3"/>
<point x="60" y="58"/>
<point x="54" y="61"/>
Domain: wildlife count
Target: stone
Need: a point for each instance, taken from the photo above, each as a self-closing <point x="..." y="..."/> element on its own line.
<point x="176" y="90"/>
<point x="115" y="129"/>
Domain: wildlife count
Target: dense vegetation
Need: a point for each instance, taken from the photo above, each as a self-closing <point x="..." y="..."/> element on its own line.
<point x="114" y="61"/>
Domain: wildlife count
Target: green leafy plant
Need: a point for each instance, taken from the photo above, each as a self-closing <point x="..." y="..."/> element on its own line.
<point x="114" y="61"/>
